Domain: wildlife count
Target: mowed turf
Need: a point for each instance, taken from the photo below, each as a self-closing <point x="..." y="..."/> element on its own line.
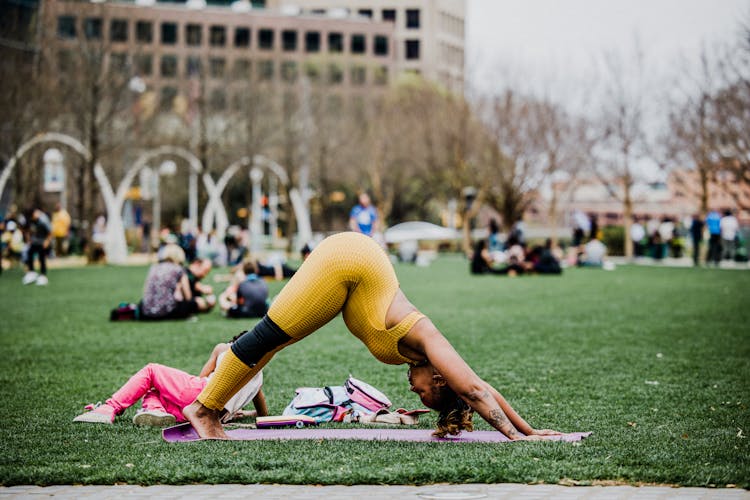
<point x="654" y="361"/>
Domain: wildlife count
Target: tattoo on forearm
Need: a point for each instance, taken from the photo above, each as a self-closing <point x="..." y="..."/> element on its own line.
<point x="499" y="421"/>
<point x="478" y="396"/>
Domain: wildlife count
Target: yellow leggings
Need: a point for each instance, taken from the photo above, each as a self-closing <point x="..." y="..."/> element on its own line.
<point x="347" y="273"/>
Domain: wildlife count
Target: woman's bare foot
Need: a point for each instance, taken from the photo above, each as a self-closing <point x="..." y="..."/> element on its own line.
<point x="204" y="420"/>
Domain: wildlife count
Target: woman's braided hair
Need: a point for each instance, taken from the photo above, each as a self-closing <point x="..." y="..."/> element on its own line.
<point x="455" y="415"/>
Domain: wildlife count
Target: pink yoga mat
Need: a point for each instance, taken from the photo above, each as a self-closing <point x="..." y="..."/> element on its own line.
<point x="185" y="432"/>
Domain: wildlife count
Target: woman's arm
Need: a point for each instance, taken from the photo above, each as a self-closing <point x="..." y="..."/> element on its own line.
<point x="514" y="417"/>
<point x="459" y="376"/>
<point x="211" y="363"/>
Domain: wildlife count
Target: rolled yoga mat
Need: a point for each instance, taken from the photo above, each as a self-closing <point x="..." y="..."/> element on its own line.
<point x="185" y="432"/>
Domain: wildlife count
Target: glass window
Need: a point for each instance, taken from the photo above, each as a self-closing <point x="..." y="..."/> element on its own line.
<point x="381" y="75"/>
<point x="218" y="36"/>
<point x="217" y="67"/>
<point x="194" y="67"/>
<point x="118" y="30"/>
<point x="412" y="49"/>
<point x="169" y="33"/>
<point x="65" y="61"/>
<point x="92" y="28"/>
<point x="168" y="66"/>
<point x="218" y="99"/>
<point x="312" y="41"/>
<point x="365" y="13"/>
<point x="265" y="70"/>
<point x="412" y="18"/>
<point x="118" y="62"/>
<point x="241" y="69"/>
<point x="358" y="75"/>
<point x="289" y="71"/>
<point x="66" y="26"/>
<point x="335" y="42"/>
<point x="167" y="97"/>
<point x="289" y="40"/>
<point x="335" y="74"/>
<point x="265" y="39"/>
<point x="381" y="45"/>
<point x="144" y="64"/>
<point x="242" y="37"/>
<point x="312" y="71"/>
<point x="389" y="15"/>
<point x="334" y="103"/>
<point x="358" y="45"/>
<point x="144" y="31"/>
<point x="193" y="34"/>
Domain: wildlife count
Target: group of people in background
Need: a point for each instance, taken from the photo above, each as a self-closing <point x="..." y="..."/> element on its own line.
<point x="512" y="256"/>
<point x="175" y="287"/>
<point x="668" y="237"/>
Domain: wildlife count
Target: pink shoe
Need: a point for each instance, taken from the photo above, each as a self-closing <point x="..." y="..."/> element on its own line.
<point x="99" y="414"/>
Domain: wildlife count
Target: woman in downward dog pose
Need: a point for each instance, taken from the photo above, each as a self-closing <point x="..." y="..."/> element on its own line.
<point x="351" y="274"/>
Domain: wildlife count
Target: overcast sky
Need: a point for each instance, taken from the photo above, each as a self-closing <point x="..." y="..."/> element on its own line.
<point x="563" y="37"/>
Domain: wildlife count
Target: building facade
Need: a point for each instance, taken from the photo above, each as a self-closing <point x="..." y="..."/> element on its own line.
<point x="429" y="35"/>
<point x="168" y="46"/>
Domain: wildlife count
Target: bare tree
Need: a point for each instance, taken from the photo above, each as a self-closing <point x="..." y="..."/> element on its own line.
<point x="515" y="158"/>
<point x="691" y="140"/>
<point x="622" y="143"/>
<point x="90" y="81"/>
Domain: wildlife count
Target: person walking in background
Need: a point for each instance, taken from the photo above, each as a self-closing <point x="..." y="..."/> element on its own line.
<point x="60" y="230"/>
<point x="39" y="238"/>
<point x="696" y="233"/>
<point x="594" y="227"/>
<point x="728" y="226"/>
<point x="666" y="234"/>
<point x="637" y="235"/>
<point x="363" y="216"/>
<point x="713" y="222"/>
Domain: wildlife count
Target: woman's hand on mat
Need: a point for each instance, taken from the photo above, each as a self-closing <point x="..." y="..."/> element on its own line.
<point x="533" y="437"/>
<point x="545" y="432"/>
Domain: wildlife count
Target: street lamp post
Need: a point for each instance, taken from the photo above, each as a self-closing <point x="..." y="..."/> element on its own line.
<point x="256" y="227"/>
<point x="53" y="161"/>
<point x="166" y="169"/>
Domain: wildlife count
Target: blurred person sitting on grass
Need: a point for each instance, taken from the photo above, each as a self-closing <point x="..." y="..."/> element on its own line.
<point x="203" y="298"/>
<point x="247" y="295"/>
<point x="166" y="391"/>
<point x="166" y="292"/>
<point x="349" y="273"/>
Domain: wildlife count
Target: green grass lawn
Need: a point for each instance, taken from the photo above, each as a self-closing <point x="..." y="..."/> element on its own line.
<point x="654" y="361"/>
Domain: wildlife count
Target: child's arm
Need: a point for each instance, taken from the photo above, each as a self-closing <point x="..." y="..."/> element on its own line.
<point x="211" y="363"/>
<point x="259" y="401"/>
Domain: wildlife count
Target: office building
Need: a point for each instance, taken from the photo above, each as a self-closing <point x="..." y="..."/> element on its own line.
<point x="429" y="35"/>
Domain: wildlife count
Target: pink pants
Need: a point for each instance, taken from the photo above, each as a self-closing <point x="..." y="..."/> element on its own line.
<point x="161" y="387"/>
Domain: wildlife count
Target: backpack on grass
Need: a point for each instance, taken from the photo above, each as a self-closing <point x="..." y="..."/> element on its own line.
<point x="346" y="403"/>
<point x="125" y="312"/>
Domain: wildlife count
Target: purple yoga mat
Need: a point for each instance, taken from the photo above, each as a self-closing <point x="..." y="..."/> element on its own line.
<point x="185" y="432"/>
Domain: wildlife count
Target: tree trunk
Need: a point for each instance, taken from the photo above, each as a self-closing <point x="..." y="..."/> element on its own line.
<point x="627" y="213"/>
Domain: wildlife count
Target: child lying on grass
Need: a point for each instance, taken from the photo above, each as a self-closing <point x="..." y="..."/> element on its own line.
<point x="166" y="391"/>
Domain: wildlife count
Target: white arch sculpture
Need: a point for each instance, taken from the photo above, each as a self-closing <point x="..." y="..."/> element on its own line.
<point x="215" y="209"/>
<point x="114" y="244"/>
<point x="117" y="252"/>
